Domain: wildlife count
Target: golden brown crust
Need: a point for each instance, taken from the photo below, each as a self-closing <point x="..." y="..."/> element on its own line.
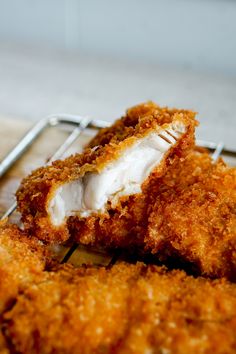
<point x="125" y="309"/>
<point x="37" y="189"/>
<point x="138" y="119"/>
<point x="124" y="227"/>
<point x="4" y="349"/>
<point x="189" y="216"/>
<point x="194" y="216"/>
<point x="21" y="260"/>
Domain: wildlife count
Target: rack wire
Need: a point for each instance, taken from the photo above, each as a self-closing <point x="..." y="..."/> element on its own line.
<point x="77" y="254"/>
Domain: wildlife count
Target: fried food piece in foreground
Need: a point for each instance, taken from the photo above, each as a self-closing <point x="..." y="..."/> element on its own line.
<point x="125" y="309"/>
<point x="87" y="189"/>
<point x="21" y="260"/>
<point x="3" y="345"/>
<point x="194" y="217"/>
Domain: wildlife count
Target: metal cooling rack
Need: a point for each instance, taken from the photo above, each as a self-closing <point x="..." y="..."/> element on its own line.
<point x="78" y="254"/>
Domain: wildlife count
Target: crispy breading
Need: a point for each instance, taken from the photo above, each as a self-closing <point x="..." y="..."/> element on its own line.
<point x="4" y="349"/>
<point x="22" y="261"/>
<point x="188" y="215"/>
<point x="37" y="190"/>
<point x="125" y="309"/>
<point x="194" y="216"/>
<point x="125" y="227"/>
<point x="142" y="115"/>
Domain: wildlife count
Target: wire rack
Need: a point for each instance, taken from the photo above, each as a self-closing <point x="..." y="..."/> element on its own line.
<point x="76" y="125"/>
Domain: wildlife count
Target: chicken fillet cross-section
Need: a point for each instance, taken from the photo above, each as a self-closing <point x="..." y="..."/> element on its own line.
<point x="87" y="189"/>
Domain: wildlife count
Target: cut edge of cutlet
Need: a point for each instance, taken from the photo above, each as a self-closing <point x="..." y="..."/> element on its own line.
<point x="38" y="189"/>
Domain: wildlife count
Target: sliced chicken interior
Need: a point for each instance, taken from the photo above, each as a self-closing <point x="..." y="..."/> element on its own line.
<point x="122" y="177"/>
<point x="117" y="164"/>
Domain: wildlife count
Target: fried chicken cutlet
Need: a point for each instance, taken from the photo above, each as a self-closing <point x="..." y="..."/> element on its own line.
<point x="22" y="261"/>
<point x="125" y="309"/>
<point x="188" y="215"/>
<point x="86" y="190"/>
<point x="194" y="216"/>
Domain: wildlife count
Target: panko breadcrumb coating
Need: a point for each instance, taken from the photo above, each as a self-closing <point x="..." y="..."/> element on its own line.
<point x="22" y="261"/>
<point x="188" y="215"/>
<point x="93" y="186"/>
<point x="125" y="309"/>
<point x="194" y="216"/>
<point x="3" y="345"/>
<point x="142" y="114"/>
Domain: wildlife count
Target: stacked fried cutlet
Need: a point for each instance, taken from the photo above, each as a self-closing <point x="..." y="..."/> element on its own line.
<point x="140" y="186"/>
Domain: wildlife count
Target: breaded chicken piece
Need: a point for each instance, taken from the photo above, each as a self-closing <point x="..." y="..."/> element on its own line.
<point x="22" y="259"/>
<point x="194" y="216"/>
<point x="188" y="216"/>
<point x="4" y="349"/>
<point x="87" y="189"/>
<point x="125" y="309"/>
